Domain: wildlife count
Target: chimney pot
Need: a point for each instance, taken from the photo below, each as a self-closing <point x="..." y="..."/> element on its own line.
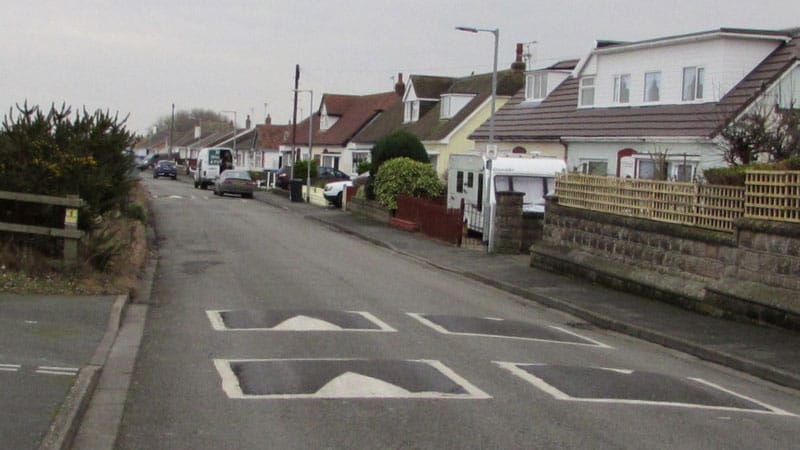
<point x="400" y="87"/>
<point x="518" y="65"/>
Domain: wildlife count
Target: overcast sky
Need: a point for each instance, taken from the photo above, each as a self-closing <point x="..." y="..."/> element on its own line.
<point x="139" y="57"/>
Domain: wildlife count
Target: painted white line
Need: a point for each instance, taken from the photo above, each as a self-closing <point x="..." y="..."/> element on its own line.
<point x="301" y="323"/>
<point x="64" y="369"/>
<point x="597" y="343"/>
<point x="440" y="329"/>
<point x="55" y="372"/>
<point x="349" y="385"/>
<point x="559" y="395"/>
<point x="10" y="367"/>
<point x="775" y="410"/>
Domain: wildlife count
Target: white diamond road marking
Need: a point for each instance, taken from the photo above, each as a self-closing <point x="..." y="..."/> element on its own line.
<point x="349" y="385"/>
<point x="300" y="323"/>
<point x="559" y="395"/>
<point x="590" y="342"/>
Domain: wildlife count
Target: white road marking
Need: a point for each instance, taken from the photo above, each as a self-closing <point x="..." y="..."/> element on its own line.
<point x="49" y="370"/>
<point x="301" y="323"/>
<point x="440" y="329"/>
<point x="559" y="395"/>
<point x="9" y="367"/>
<point x="349" y="385"/>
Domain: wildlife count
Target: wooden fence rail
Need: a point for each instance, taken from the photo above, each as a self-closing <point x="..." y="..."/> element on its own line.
<point x="70" y="232"/>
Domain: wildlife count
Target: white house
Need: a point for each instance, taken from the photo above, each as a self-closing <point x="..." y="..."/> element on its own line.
<point x="628" y="103"/>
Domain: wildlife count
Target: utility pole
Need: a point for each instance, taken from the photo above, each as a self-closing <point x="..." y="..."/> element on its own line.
<point x="171" y="129"/>
<point x="294" y="116"/>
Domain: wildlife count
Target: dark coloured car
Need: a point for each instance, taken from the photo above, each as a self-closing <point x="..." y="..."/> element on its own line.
<point x="283" y="177"/>
<point x="165" y="169"/>
<point x="329" y="174"/>
<point x="235" y="182"/>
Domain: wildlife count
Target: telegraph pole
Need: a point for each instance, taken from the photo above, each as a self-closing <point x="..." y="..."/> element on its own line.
<point x="294" y="115"/>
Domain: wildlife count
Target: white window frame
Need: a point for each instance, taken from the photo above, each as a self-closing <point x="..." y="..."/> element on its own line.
<point x="787" y="93"/>
<point x="585" y="164"/>
<point x="657" y="75"/>
<point x="584" y="90"/>
<point x="536" y="86"/>
<point x="698" y="91"/>
<point x="411" y="111"/>
<point x="618" y="84"/>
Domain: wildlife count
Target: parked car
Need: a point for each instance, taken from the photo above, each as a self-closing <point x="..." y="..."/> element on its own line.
<point x="330" y="174"/>
<point x="283" y="177"/>
<point x="150" y="161"/>
<point x="165" y="169"/>
<point x="234" y="182"/>
<point x="334" y="191"/>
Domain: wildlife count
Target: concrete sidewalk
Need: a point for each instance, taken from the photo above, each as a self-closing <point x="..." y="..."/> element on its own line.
<point x="769" y="353"/>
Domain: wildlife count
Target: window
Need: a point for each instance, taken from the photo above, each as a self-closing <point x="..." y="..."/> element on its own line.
<point x="587" y="91"/>
<point x="652" y="86"/>
<point x="693" y="80"/>
<point x="683" y="172"/>
<point x="411" y="111"/>
<point x="451" y="104"/>
<point x="622" y="88"/>
<point x="789" y="90"/>
<point x="647" y="169"/>
<point x="459" y="181"/>
<point x="595" y="168"/>
<point x="358" y="158"/>
<point x="536" y="86"/>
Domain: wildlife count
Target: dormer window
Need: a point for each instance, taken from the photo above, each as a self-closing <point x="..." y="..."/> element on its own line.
<point x="693" y="80"/>
<point x="587" y="91"/>
<point x="451" y="104"/>
<point x="652" y="86"/>
<point x="411" y="113"/>
<point x="789" y="90"/>
<point x="622" y="88"/>
<point x="326" y="121"/>
<point x="536" y="86"/>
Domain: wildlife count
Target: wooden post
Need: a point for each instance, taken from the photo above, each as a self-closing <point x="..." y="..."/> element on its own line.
<point x="70" y="245"/>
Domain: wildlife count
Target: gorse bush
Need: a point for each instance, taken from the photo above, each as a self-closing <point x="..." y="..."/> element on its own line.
<point x="61" y="153"/>
<point x="406" y="176"/>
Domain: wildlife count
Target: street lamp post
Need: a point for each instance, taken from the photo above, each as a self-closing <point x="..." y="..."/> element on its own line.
<point x="310" y="133"/>
<point x="491" y="147"/>
<point x="235" y="151"/>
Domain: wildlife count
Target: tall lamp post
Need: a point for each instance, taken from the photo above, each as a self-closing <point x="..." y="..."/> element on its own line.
<point x="491" y="147"/>
<point x="310" y="133"/>
<point x="235" y="150"/>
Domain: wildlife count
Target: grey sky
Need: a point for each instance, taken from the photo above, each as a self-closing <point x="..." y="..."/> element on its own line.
<point x="139" y="57"/>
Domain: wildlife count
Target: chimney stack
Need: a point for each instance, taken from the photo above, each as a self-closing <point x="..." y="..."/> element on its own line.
<point x="518" y="65"/>
<point x="268" y="120"/>
<point x="400" y="87"/>
<point x="247" y="122"/>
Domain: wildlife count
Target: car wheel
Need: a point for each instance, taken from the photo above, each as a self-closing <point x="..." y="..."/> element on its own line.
<point x="155" y="176"/>
<point x="174" y="178"/>
<point x="203" y="186"/>
<point x="338" y="202"/>
<point x="247" y="195"/>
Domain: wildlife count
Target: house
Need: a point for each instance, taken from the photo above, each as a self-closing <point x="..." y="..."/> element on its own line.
<point x="333" y="125"/>
<point x="442" y="112"/>
<point x="627" y="104"/>
<point x="258" y="148"/>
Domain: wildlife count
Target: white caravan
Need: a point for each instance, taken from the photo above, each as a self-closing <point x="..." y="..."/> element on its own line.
<point x="535" y="176"/>
<point x="210" y="163"/>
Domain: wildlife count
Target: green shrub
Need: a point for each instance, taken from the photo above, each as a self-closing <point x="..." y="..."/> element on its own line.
<point x="406" y="176"/>
<point x="364" y="167"/>
<point x="396" y="145"/>
<point x="301" y="169"/>
<point x="733" y="175"/>
<point x="136" y="211"/>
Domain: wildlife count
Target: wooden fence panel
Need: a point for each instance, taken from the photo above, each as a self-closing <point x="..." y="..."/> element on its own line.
<point x="432" y="217"/>
<point x="773" y="195"/>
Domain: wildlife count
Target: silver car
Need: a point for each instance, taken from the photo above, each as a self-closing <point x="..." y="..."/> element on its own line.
<point x="234" y="182"/>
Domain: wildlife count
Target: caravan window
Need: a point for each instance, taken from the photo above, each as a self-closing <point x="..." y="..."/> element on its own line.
<point x="459" y="181"/>
<point x="535" y="189"/>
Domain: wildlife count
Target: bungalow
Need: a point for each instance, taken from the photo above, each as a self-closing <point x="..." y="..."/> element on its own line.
<point x="442" y="112"/>
<point x="627" y="104"/>
<point x="339" y="118"/>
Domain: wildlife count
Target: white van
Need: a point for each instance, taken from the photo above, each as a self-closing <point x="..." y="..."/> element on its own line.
<point x="210" y="163"/>
<point x="535" y="176"/>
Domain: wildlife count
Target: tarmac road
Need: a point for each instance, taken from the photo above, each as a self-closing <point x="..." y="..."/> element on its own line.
<point x="250" y="343"/>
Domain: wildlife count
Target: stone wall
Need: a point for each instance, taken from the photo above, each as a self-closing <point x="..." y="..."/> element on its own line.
<point x="371" y="209"/>
<point x="754" y="272"/>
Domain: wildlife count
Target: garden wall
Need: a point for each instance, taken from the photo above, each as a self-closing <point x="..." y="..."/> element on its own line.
<point x="753" y="272"/>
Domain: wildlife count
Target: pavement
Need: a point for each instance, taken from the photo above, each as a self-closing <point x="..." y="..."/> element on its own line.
<point x="92" y="406"/>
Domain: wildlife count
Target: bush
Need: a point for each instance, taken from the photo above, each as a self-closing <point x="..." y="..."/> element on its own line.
<point x="734" y="175"/>
<point x="301" y="169"/>
<point x="396" y="145"/>
<point x="61" y="153"/>
<point x="406" y="176"/>
<point x="364" y="167"/>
